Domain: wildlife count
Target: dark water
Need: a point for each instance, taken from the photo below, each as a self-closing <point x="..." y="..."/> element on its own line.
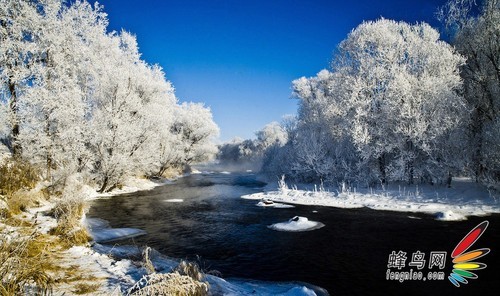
<point x="347" y="257"/>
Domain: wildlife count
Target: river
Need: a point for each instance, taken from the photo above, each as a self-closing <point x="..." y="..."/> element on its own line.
<point x="216" y="228"/>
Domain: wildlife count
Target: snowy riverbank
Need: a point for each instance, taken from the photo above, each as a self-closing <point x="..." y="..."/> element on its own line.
<point x="464" y="198"/>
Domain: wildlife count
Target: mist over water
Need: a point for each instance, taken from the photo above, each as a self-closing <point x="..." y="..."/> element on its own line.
<point x="348" y="256"/>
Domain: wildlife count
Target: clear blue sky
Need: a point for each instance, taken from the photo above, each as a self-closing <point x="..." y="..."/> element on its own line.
<point x="239" y="57"/>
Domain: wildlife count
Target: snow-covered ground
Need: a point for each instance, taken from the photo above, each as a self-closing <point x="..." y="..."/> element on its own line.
<point x="464" y="198"/>
<point x="131" y="184"/>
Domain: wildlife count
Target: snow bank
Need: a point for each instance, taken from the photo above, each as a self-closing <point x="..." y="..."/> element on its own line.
<point x="218" y="286"/>
<point x="466" y="198"/>
<point x="110" y="274"/>
<point x="297" y="224"/>
<point x="130" y="185"/>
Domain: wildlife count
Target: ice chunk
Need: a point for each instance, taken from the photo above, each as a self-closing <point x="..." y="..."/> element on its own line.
<point x="118" y="252"/>
<point x="96" y="223"/>
<point x="113" y="234"/>
<point x="296" y="224"/>
<point x="174" y="200"/>
<point x="274" y="205"/>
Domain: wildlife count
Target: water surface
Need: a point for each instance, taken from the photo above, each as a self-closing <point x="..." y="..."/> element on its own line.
<point x="215" y="227"/>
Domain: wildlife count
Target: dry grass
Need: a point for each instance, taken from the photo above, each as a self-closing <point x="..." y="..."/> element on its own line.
<point x="17" y="178"/>
<point x="171" y="173"/>
<point x="189" y="269"/>
<point x="17" y="175"/>
<point x="28" y="259"/>
<point x="185" y="280"/>
<point x="24" y="266"/>
<point x="168" y="284"/>
<point x="21" y="200"/>
<point x="28" y="266"/>
<point x="69" y="211"/>
<point x="146" y="261"/>
<point x="69" y="214"/>
<point x="83" y="288"/>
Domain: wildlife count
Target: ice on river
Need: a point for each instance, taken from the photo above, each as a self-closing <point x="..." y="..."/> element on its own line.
<point x="113" y="234"/>
<point x="296" y="224"/>
<point x="277" y="205"/>
<point x="101" y="232"/>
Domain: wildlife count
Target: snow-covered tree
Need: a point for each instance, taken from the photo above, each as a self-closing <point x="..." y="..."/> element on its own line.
<point x="255" y="154"/>
<point x="194" y="126"/>
<point x="388" y="109"/>
<point x="54" y="107"/>
<point x="78" y="99"/>
<point x="20" y="32"/>
<point x="401" y="91"/>
<point x="320" y="139"/>
<point x="240" y="154"/>
<point x="270" y="135"/>
<point x="477" y="37"/>
<point x="125" y="111"/>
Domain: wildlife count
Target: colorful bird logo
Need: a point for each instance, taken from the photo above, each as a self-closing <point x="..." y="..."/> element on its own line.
<point x="463" y="265"/>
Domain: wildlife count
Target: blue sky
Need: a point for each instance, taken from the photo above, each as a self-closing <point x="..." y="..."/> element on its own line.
<point x="239" y="57"/>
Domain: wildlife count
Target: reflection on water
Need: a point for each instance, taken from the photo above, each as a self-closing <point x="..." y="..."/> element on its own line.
<point x="347" y="257"/>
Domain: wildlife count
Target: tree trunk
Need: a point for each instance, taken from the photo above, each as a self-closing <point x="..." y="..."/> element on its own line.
<point x="477" y="142"/>
<point x="162" y="170"/>
<point x="16" y="147"/>
<point x="381" y="167"/>
<point x="48" y="156"/>
<point x="410" y="172"/>
<point x="410" y="164"/>
<point x="104" y="185"/>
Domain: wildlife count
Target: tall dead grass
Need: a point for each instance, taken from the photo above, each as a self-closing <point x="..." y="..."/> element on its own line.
<point x="16" y="175"/>
<point x="24" y="265"/>
<point x="168" y="284"/>
<point x="69" y="212"/>
<point x="185" y="280"/>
